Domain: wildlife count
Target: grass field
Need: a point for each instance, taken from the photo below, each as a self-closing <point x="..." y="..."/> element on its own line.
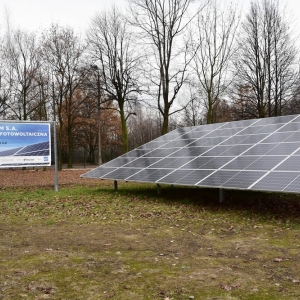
<point x="93" y="243"/>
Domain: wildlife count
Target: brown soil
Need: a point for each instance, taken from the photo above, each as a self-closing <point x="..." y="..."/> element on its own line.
<point x="41" y="178"/>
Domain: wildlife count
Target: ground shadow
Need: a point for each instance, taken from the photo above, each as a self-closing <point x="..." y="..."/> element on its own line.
<point x="271" y="205"/>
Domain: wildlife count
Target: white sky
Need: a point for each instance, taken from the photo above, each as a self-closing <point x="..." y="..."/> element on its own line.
<point x="34" y="15"/>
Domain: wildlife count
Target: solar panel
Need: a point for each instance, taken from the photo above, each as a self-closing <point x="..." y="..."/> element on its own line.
<point x="40" y="149"/>
<point x="10" y="152"/>
<point x="35" y="149"/>
<point x="257" y="154"/>
<point x="29" y="155"/>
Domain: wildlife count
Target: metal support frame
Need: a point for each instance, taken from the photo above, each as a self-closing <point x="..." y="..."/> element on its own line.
<point x="55" y="158"/>
<point x="158" y="189"/>
<point x="115" y="185"/>
<point x="221" y="195"/>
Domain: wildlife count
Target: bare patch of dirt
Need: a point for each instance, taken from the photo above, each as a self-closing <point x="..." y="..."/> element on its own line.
<point x="40" y="178"/>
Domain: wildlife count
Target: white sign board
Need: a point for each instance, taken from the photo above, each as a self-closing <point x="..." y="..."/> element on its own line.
<point x="25" y="144"/>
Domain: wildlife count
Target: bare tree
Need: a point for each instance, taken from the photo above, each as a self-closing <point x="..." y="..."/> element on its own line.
<point x="266" y="58"/>
<point x="143" y="128"/>
<point x="21" y="63"/>
<point x="4" y="91"/>
<point x="112" y="50"/>
<point x="293" y="106"/>
<point x="191" y="99"/>
<point x="63" y="53"/>
<point x="163" y="25"/>
<point x="213" y="43"/>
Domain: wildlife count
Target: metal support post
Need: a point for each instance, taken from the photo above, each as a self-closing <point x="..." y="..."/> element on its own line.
<point x="158" y="189"/>
<point x="55" y="158"/>
<point x="221" y="195"/>
<point x="115" y="185"/>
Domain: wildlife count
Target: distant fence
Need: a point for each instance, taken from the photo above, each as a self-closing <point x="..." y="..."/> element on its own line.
<point x="81" y="157"/>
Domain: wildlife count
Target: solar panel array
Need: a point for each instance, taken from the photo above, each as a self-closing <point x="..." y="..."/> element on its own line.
<point x="10" y="151"/>
<point x="257" y="154"/>
<point x="40" y="149"/>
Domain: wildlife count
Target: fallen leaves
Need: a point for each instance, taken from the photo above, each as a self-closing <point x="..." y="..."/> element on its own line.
<point x="279" y="259"/>
<point x="40" y="178"/>
<point x="230" y="287"/>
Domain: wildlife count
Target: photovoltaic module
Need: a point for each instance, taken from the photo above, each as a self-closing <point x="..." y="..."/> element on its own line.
<point x="256" y="154"/>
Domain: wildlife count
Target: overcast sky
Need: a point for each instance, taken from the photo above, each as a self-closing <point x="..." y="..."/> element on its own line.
<point x="37" y="14"/>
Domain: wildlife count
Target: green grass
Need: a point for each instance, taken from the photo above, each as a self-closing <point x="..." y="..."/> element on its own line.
<point x="95" y="243"/>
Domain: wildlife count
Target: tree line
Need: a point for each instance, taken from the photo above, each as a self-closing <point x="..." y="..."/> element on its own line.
<point x="139" y="73"/>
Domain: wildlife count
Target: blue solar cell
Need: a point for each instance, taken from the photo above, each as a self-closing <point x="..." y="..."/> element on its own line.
<point x="99" y="172"/>
<point x="217" y="150"/>
<point x="250" y="130"/>
<point x="152" y="145"/>
<point x="237" y="139"/>
<point x="137" y="153"/>
<point x="243" y="179"/>
<point x="120" y="161"/>
<point x="10" y="152"/>
<point x="217" y="179"/>
<point x="215" y="141"/>
<point x="121" y="173"/>
<point x="269" y="129"/>
<point x="277" y="137"/>
<point x="294" y="186"/>
<point x="33" y="148"/>
<point x="292" y="137"/>
<point x="141" y="162"/>
<point x="283" y="119"/>
<point x="156" y="175"/>
<point x="240" y="163"/>
<point x="260" y="149"/>
<point x="290" y="127"/>
<point x="275" y="181"/>
<point x="200" y="142"/>
<point x="140" y="175"/>
<point x="179" y="143"/>
<point x="194" y="177"/>
<point x="290" y="164"/>
<point x="174" y="176"/>
<point x="197" y="163"/>
<point x="252" y="139"/>
<point x="265" y="163"/>
<point x="235" y="150"/>
<point x="284" y="149"/>
<point x="194" y="135"/>
<point x="217" y="162"/>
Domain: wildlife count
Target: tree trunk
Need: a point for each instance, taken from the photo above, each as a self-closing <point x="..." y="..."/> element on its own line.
<point x="70" y="146"/>
<point x="60" y="138"/>
<point x="165" y="124"/>
<point x="59" y="154"/>
<point x="209" y="119"/>
<point x="124" y="131"/>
